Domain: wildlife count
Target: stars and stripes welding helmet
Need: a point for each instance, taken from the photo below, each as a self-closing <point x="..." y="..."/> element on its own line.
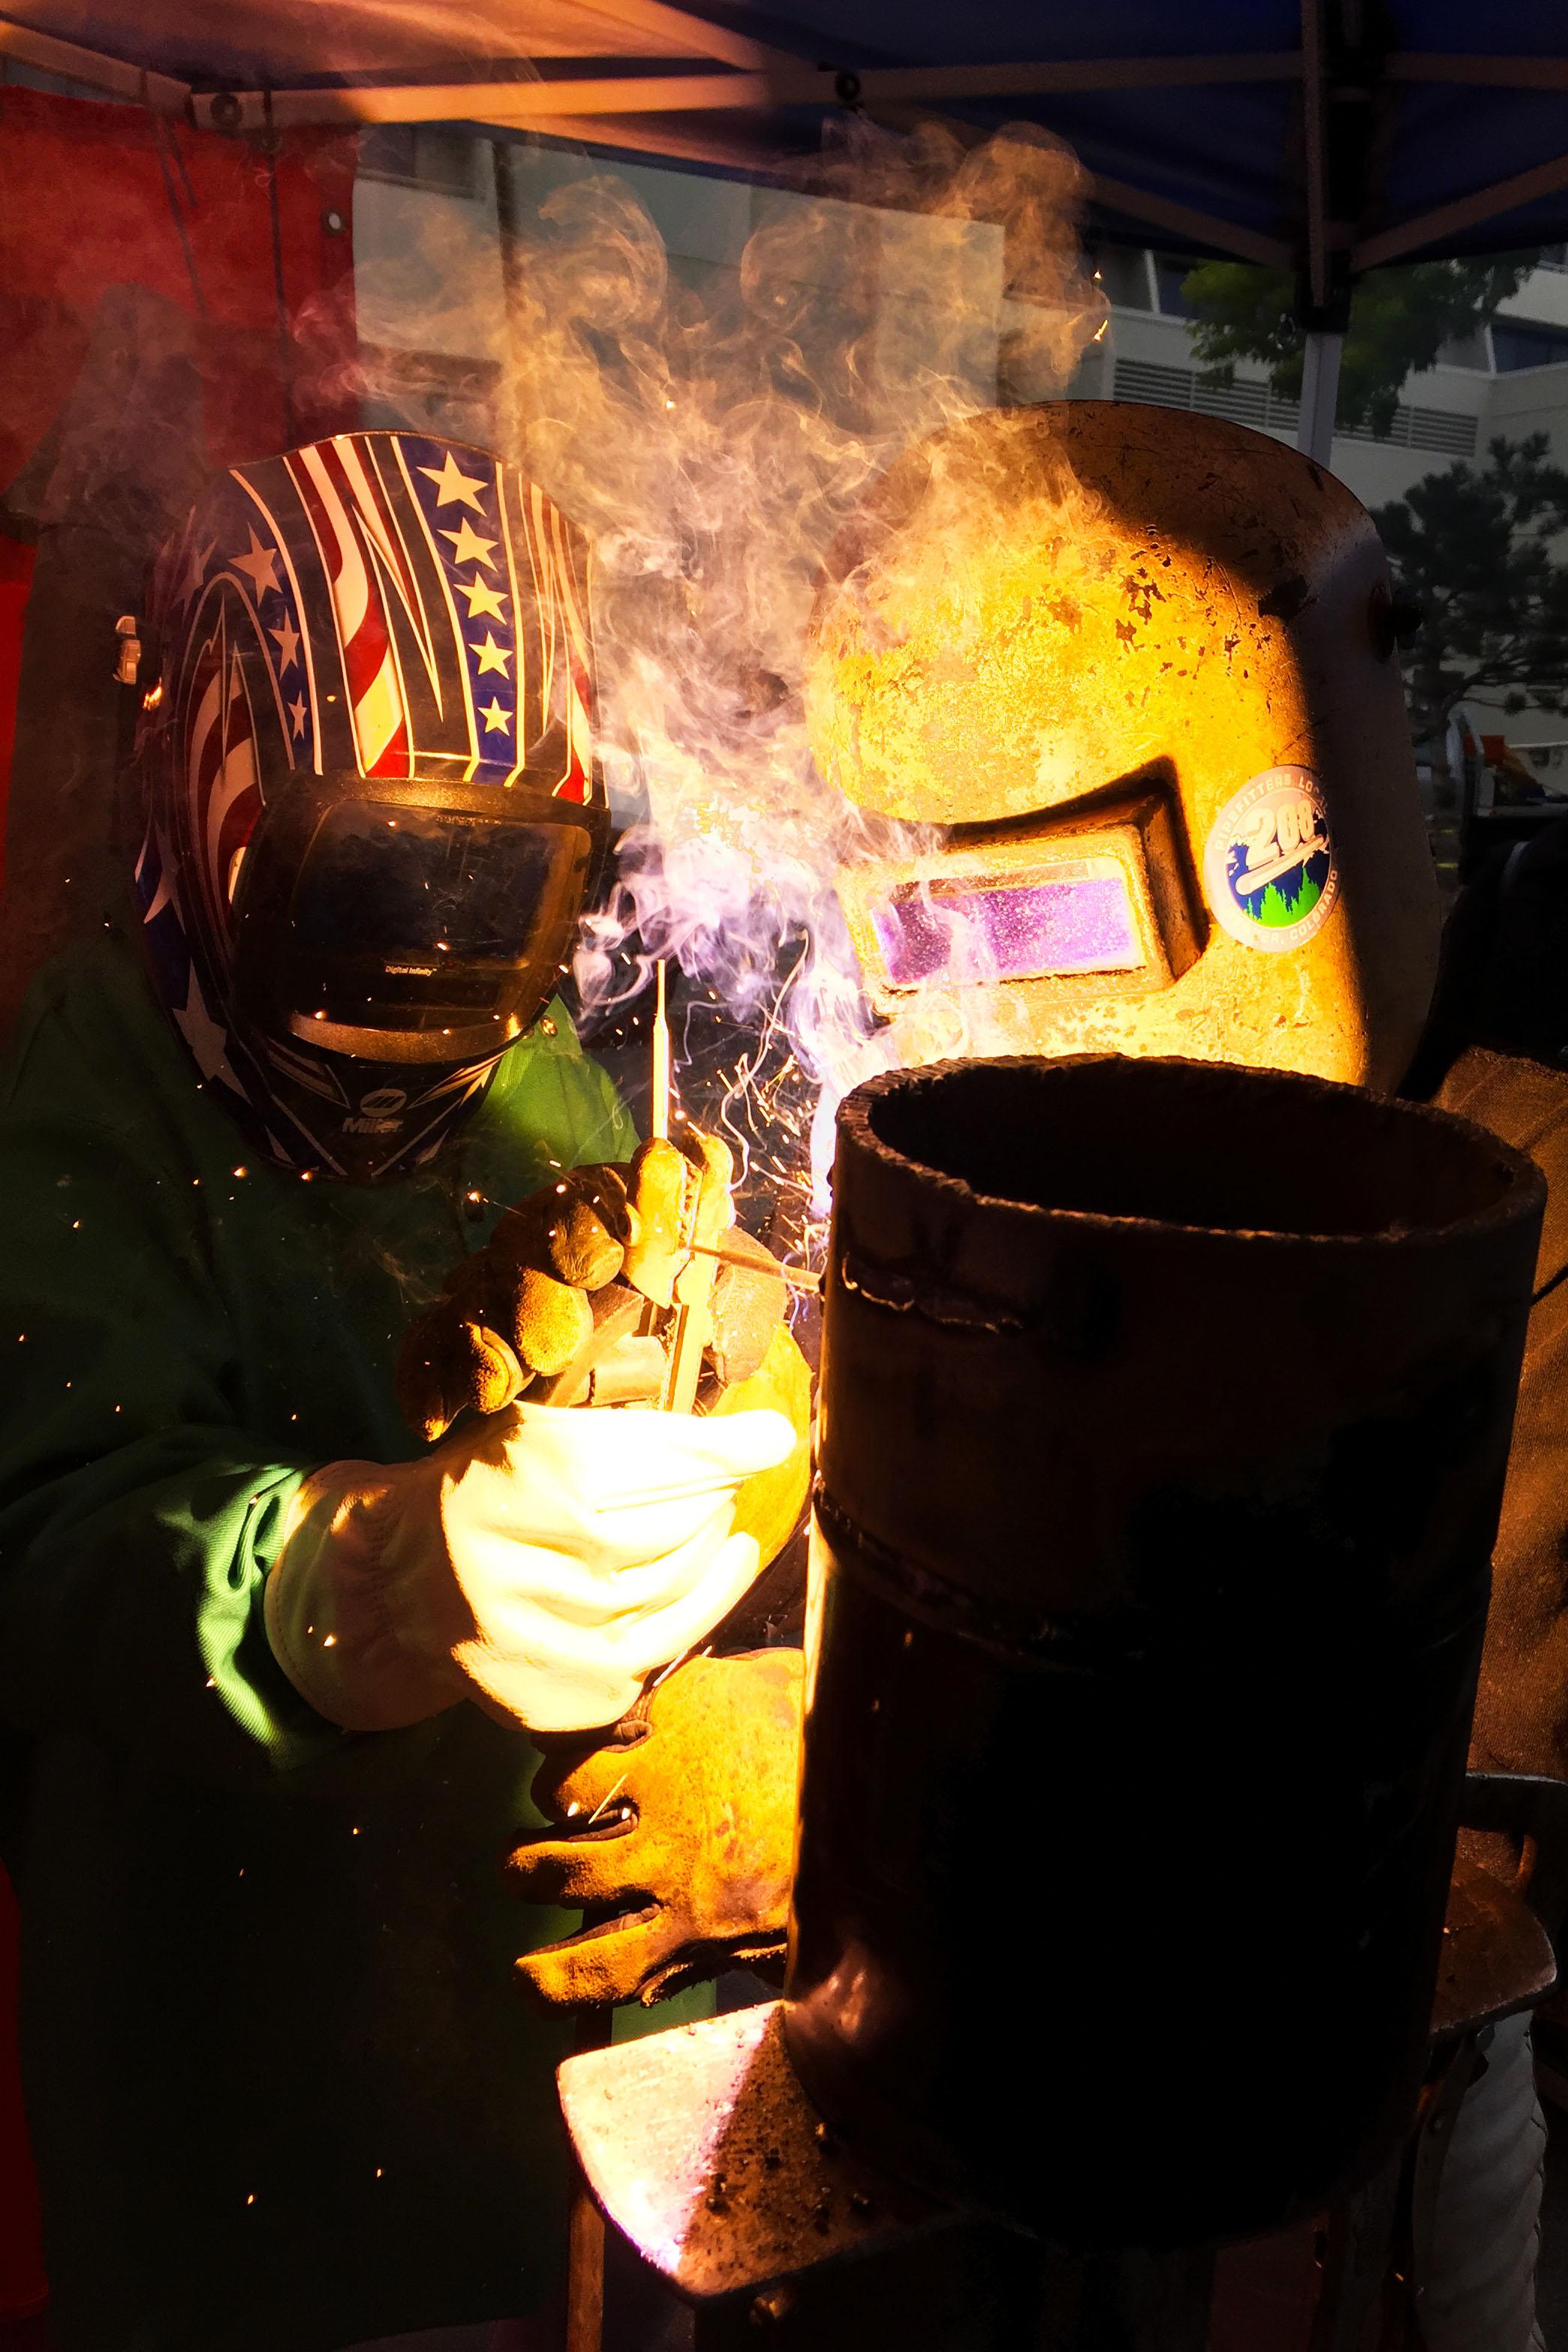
<point x="373" y="810"/>
<point x="1116" y="688"/>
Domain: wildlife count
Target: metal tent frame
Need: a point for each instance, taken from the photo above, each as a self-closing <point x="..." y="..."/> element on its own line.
<point x="1341" y="88"/>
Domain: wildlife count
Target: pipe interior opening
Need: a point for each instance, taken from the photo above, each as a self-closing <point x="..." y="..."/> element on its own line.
<point x="1190" y="1144"/>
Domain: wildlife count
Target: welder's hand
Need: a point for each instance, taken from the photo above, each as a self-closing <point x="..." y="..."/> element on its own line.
<point x="768" y="1505"/>
<point x="564" y="1267"/>
<point x="519" y="1309"/>
<point x="685" y="1821"/>
<point x="543" y="1563"/>
<point x="680" y="1192"/>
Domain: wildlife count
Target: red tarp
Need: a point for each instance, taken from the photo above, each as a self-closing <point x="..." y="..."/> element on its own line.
<point x="15" y="578"/>
<point x="96" y="197"/>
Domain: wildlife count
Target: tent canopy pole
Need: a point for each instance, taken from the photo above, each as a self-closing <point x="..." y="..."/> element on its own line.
<point x="1319" y="394"/>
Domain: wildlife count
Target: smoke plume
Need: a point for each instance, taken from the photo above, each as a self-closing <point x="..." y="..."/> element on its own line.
<point x="713" y="429"/>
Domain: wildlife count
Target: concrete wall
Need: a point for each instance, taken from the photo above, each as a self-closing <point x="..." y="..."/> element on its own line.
<point x="1375" y="470"/>
<point x="1532" y="400"/>
<point x="1542" y="298"/>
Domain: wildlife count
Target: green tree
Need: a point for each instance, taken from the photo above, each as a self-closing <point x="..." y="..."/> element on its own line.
<point x="1474" y="550"/>
<point x="1398" y="319"/>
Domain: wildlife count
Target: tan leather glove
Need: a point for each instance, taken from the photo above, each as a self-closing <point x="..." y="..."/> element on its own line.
<point x="520" y="1310"/>
<point x="551" y="1308"/>
<point x="685" y="1820"/>
<point x="768" y="1507"/>
<point x="566" y="1278"/>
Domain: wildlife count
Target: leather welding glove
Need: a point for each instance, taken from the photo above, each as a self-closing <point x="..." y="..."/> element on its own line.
<point x="542" y="1562"/>
<point x="519" y="1309"/>
<point x="685" y="1820"/>
<point x="768" y="1505"/>
<point x="565" y="1266"/>
<point x="524" y="1308"/>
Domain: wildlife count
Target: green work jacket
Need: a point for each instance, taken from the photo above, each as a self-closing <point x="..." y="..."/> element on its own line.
<point x="284" y="2089"/>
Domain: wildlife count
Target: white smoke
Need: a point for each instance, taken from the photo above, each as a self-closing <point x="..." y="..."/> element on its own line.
<point x="713" y="427"/>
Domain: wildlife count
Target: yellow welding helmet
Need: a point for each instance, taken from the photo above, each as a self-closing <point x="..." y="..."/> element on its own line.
<point x="1116" y="688"/>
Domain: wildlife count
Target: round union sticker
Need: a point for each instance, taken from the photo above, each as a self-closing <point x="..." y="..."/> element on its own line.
<point x="1268" y="867"/>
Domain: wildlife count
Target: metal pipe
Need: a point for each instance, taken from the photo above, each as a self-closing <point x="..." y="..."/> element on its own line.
<point x="1165" y="1411"/>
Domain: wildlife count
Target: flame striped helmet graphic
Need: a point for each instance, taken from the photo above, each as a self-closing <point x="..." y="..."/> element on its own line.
<point x="385" y="621"/>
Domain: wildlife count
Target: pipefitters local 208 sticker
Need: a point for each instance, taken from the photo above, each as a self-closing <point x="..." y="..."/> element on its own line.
<point x="1268" y="866"/>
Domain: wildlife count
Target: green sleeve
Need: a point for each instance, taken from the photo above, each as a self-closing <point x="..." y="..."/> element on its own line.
<point x="137" y="1519"/>
<point x="552" y="1106"/>
<point x="138" y="1511"/>
<point x="557" y="1091"/>
<point x="567" y="1092"/>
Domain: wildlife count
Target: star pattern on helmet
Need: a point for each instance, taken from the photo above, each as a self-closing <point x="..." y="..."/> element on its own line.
<point x="468" y="547"/>
<point x="201" y="557"/>
<point x="492" y="655"/>
<point x="484" y="601"/>
<point x="207" y="1041"/>
<point x="261" y="564"/>
<point x="443" y="549"/>
<point x="282" y="640"/>
<point x="453" y="487"/>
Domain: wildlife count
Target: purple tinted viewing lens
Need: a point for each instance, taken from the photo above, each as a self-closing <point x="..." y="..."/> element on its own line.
<point x="1024" y="932"/>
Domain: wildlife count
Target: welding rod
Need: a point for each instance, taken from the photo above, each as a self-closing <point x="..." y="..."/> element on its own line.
<point x="659" y="1099"/>
<point x="798" y="1277"/>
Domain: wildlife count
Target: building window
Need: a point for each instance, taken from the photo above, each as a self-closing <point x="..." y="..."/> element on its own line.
<point x="1123" y="271"/>
<point x="1469" y="350"/>
<point x="1170" y="273"/>
<point x="1518" y="344"/>
<point x="422" y="155"/>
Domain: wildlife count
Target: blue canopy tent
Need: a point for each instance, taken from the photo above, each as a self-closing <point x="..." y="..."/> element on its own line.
<point x="1324" y="136"/>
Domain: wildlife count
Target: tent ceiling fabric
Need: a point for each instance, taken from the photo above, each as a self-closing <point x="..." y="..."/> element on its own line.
<point x="249" y="42"/>
<point x="1203" y="128"/>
